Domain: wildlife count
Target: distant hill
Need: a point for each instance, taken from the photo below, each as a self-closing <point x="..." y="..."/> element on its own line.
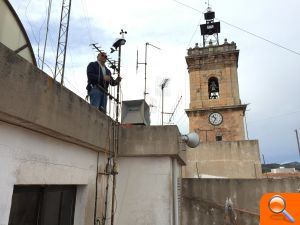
<point x="267" y="167"/>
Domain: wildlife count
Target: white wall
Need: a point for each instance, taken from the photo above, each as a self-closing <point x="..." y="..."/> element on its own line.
<point x="27" y="157"/>
<point x="144" y="191"/>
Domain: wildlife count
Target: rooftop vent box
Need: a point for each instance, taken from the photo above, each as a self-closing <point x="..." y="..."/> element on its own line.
<point x="135" y="112"/>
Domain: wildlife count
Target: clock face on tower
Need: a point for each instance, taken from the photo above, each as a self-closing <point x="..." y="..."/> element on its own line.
<point x="215" y="118"/>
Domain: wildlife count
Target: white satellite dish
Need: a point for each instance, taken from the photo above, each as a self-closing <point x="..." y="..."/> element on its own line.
<point x="192" y="139"/>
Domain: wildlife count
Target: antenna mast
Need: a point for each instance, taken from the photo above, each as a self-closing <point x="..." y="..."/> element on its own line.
<point x="62" y="40"/>
<point x="145" y="63"/>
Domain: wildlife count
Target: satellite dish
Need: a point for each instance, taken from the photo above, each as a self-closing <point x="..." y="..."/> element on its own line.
<point x="192" y="139"/>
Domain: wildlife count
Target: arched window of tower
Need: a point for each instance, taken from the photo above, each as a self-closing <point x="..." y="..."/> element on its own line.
<point x="213" y="88"/>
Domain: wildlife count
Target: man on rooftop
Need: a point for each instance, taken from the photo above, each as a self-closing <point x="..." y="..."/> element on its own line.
<point x="99" y="78"/>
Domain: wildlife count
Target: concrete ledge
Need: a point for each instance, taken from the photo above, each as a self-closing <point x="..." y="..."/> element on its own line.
<point x="152" y="141"/>
<point x="203" y="200"/>
<point x="32" y="99"/>
<point x="231" y="159"/>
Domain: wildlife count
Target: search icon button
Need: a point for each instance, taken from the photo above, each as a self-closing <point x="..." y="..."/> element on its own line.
<point x="277" y="205"/>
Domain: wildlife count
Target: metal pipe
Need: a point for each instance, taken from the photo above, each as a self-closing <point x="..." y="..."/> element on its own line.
<point x="106" y="190"/>
<point x="175" y="192"/>
<point x="96" y="191"/>
<point x="114" y="170"/>
<point x="118" y="87"/>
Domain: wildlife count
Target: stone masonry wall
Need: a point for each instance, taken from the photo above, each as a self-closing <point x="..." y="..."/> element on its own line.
<point x="204" y="199"/>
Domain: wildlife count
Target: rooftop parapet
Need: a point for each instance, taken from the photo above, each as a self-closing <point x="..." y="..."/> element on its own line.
<point x="198" y="57"/>
<point x="31" y="99"/>
<point x="212" y="49"/>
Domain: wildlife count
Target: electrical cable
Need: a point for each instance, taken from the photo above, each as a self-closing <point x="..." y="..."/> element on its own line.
<point x="220" y="205"/>
<point x="274" y="117"/>
<point x="72" y="68"/>
<point x="194" y="33"/>
<point x="244" y="30"/>
<point x="180" y="118"/>
<point x="108" y="164"/>
<point x="48" y="68"/>
<point x="32" y="30"/>
<point x="86" y="16"/>
<point x="79" y="92"/>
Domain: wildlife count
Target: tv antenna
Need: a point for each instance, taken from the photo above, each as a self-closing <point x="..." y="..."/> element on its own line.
<point x="145" y="63"/>
<point x="112" y="64"/>
<point x="163" y="85"/>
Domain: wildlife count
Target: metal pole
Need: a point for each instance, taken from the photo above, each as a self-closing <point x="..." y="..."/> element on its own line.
<point x="118" y="87"/>
<point x="114" y="174"/>
<point x="298" y="141"/>
<point x="146" y="48"/>
<point x="115" y="139"/>
<point x="106" y="190"/>
<point x="145" y="91"/>
<point x="162" y="105"/>
<point x="47" y="30"/>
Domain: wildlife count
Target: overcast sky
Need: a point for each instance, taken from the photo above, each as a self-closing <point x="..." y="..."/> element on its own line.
<point x="268" y="75"/>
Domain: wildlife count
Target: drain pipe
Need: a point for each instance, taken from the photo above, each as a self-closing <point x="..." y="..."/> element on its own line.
<point x="175" y="191"/>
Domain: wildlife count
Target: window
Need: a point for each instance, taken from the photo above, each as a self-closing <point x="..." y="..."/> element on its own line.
<point x="213" y="88"/>
<point x="42" y="205"/>
<point x="218" y="137"/>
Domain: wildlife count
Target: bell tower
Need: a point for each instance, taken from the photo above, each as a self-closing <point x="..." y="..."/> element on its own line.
<point x="215" y="110"/>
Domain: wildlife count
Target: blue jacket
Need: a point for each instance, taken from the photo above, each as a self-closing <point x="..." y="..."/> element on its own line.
<point x="95" y="76"/>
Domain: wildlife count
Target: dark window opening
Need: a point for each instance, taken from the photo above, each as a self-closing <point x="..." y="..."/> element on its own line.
<point x="43" y="205"/>
<point x="218" y="138"/>
<point x="213" y="88"/>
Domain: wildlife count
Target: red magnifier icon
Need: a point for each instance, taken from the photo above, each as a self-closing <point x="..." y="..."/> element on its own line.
<point x="277" y="205"/>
